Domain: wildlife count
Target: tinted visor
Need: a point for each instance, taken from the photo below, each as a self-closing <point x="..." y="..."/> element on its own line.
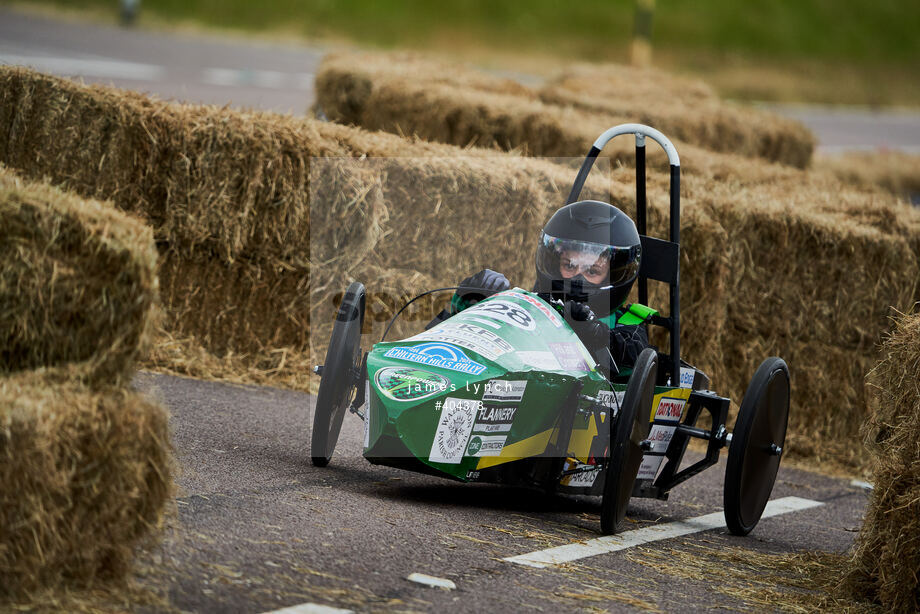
<point x="599" y="265"/>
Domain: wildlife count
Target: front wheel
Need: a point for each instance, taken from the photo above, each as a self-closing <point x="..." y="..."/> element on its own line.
<point x="340" y="376"/>
<point x="628" y="431"/>
<point x="756" y="446"/>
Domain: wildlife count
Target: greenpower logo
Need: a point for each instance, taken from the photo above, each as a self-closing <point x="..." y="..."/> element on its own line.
<point x="408" y="383"/>
<point x="474" y="447"/>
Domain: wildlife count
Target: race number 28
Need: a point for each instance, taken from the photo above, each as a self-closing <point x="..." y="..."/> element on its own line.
<point x="506" y="311"/>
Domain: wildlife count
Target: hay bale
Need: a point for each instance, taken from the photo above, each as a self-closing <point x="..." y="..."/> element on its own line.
<point x="408" y="95"/>
<point x="887" y="556"/>
<point x="683" y="109"/>
<point x="895" y="171"/>
<point x="77" y="282"/>
<point x="84" y="479"/>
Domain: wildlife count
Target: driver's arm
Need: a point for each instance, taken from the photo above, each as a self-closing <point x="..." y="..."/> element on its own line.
<point x="477" y="287"/>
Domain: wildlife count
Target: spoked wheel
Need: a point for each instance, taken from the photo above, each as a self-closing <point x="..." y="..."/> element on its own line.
<point x="629" y="429"/>
<point x="340" y="376"/>
<point x="756" y="446"/>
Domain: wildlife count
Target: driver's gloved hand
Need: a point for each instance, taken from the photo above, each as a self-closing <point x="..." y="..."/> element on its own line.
<point x="483" y="284"/>
<point x="592" y="332"/>
<point x="477" y="287"/>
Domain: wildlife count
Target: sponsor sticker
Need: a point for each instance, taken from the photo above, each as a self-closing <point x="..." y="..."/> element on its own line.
<point x="569" y="356"/>
<point x="408" y="383"/>
<point x="485" y="445"/>
<point x="660" y="436"/>
<point x="472" y="475"/>
<point x="504" y="311"/>
<point x="504" y="390"/>
<point x="669" y="410"/>
<point x="539" y="359"/>
<point x="686" y="377"/>
<point x="612" y="400"/>
<point x="469" y="336"/>
<point x="550" y="313"/>
<point x="494" y="418"/>
<point x="582" y="479"/>
<point x="454" y="428"/>
<point x="437" y="354"/>
<point x="648" y="470"/>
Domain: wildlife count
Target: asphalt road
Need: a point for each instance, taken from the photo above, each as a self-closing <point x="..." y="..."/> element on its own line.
<point x="259" y="528"/>
<point x="280" y="78"/>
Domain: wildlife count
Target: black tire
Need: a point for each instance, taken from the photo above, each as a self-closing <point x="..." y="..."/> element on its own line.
<point x="756" y="446"/>
<point x="630" y="428"/>
<point x="339" y="383"/>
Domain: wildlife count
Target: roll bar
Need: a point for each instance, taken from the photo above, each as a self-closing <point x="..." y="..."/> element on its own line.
<point x="641" y="131"/>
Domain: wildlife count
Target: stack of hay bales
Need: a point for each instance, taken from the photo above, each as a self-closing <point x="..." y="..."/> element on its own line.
<point x="232" y="198"/>
<point x="895" y="171"/>
<point x="449" y="103"/>
<point x="887" y="558"/>
<point x="84" y="461"/>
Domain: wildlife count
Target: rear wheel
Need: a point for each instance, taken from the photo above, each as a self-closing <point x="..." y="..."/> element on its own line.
<point x="756" y="446"/>
<point x="630" y="428"/>
<point x="341" y="375"/>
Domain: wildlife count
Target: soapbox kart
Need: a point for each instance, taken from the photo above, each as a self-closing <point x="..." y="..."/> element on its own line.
<point x="504" y="392"/>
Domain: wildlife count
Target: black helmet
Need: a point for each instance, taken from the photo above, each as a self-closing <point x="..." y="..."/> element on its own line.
<point x="589" y="251"/>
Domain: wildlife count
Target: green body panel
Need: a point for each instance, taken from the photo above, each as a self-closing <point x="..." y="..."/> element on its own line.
<point x="487" y="387"/>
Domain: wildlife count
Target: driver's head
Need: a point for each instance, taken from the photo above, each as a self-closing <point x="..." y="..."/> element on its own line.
<point x="589" y="251"/>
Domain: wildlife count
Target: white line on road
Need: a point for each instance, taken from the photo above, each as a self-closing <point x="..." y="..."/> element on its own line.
<point x="111" y="69"/>
<point x="310" y="608"/>
<point x="613" y="543"/>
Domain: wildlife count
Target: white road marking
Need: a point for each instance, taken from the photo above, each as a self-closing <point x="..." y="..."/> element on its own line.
<point x="310" y="608"/>
<point x="266" y="79"/>
<point x="104" y="68"/>
<point x="861" y="484"/>
<point x="431" y="581"/>
<point x="613" y="543"/>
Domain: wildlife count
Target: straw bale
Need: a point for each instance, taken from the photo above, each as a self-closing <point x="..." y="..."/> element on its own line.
<point x="887" y="557"/>
<point x="412" y="96"/>
<point x="895" y="171"/>
<point x="682" y="111"/>
<point x="77" y="281"/>
<point x="85" y="476"/>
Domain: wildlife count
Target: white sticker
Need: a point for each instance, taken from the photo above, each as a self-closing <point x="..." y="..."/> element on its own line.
<point x="540" y="360"/>
<point x="504" y="390"/>
<point x="648" y="470"/>
<point x="494" y="418"/>
<point x="454" y="428"/>
<point x="485" y="445"/>
<point x="367" y="413"/>
<point x="549" y="312"/>
<point x="611" y="399"/>
<point x="686" y="377"/>
<point x="504" y="311"/>
<point x="469" y="336"/>
<point x="660" y="436"/>
<point x="582" y="479"/>
<point x="669" y="410"/>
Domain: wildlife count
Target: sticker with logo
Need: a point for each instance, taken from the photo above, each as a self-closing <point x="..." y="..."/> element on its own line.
<point x="504" y="390"/>
<point x="586" y="476"/>
<point x="469" y="336"/>
<point x="504" y="311"/>
<point x="549" y="312"/>
<point x="612" y="400"/>
<point x="648" y="469"/>
<point x="454" y="428"/>
<point x="408" y="383"/>
<point x="660" y="436"/>
<point x="686" y="377"/>
<point x="485" y="445"/>
<point x="669" y="410"/>
<point x="436" y="354"/>
<point x="494" y="418"/>
<point x="569" y="356"/>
